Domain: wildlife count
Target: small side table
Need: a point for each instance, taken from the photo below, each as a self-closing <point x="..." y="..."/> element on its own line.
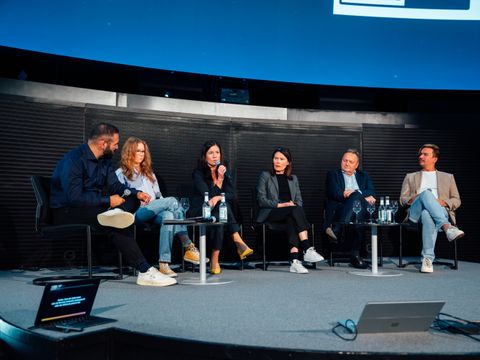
<point x="203" y="280"/>
<point x="374" y="238"/>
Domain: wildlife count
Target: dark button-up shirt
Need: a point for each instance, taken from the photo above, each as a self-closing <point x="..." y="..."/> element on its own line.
<point x="82" y="180"/>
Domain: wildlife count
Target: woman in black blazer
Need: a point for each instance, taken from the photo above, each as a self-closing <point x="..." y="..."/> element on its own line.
<point x="211" y="176"/>
<point x="280" y="200"/>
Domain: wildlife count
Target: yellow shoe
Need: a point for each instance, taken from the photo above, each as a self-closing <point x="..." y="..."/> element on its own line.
<point x="243" y="254"/>
<point x="216" y="271"/>
<point x="191" y="254"/>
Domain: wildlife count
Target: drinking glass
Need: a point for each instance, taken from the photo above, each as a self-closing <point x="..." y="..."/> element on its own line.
<point x="371" y="210"/>
<point x="185" y="204"/>
<point x="357" y="207"/>
<point x="394" y="208"/>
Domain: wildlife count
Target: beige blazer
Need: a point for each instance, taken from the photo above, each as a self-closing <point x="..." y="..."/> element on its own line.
<point x="447" y="190"/>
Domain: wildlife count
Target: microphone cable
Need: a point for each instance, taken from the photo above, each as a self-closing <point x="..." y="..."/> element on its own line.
<point x="349" y="327"/>
<point x="457" y="326"/>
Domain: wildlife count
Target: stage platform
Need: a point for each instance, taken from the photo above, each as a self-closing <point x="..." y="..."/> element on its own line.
<point x="260" y="314"/>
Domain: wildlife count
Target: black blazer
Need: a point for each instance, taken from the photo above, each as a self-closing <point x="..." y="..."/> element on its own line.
<point x="202" y="185"/>
<point x="335" y="186"/>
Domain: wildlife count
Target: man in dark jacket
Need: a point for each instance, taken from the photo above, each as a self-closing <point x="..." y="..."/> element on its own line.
<point x="345" y="186"/>
<point x="85" y="189"/>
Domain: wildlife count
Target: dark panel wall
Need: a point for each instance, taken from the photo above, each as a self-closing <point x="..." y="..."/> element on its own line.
<point x="35" y="135"/>
<point x="390" y="153"/>
<point x="315" y="149"/>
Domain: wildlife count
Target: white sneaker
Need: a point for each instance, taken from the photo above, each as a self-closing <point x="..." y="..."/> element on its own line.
<point x="454" y="233"/>
<point x="154" y="278"/>
<point x="427" y="266"/>
<point x="312" y="256"/>
<point x="297" y="267"/>
<point x="116" y="218"/>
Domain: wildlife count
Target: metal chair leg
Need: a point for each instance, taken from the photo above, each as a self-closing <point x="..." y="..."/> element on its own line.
<point x="313" y="242"/>
<point x="455" y="266"/>
<point x="89" y="252"/>
<point x="241" y="235"/>
<point x="120" y="264"/>
<point x="264" y="249"/>
<point x="400" y="260"/>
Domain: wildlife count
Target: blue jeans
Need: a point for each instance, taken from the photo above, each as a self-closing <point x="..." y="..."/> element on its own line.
<point x="426" y="209"/>
<point x="157" y="211"/>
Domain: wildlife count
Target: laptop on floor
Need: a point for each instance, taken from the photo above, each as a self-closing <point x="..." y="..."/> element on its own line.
<point x="397" y="316"/>
<point x="66" y="306"/>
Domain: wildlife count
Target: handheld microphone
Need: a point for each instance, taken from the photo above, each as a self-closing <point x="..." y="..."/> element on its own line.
<point x="211" y="219"/>
<point x="126" y="192"/>
<point x="227" y="173"/>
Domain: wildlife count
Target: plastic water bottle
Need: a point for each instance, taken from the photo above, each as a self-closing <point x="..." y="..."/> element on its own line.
<point x="388" y="210"/>
<point x="206" y="209"/>
<point x="223" y="210"/>
<point x="381" y="211"/>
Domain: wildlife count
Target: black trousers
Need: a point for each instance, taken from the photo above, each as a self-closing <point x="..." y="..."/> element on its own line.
<point x="295" y="220"/>
<point x="215" y="233"/>
<point x="345" y="214"/>
<point x="122" y="238"/>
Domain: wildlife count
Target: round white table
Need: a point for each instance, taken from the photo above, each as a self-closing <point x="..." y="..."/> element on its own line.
<point x="374" y="239"/>
<point x="203" y="280"/>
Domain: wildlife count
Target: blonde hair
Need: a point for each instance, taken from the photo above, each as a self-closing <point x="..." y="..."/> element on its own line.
<point x="128" y="158"/>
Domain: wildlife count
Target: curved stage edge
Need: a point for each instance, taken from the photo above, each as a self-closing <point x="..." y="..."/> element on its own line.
<point x="288" y="316"/>
<point x="113" y="343"/>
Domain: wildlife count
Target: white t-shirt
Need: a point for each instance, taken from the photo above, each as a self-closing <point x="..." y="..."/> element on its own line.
<point x="429" y="181"/>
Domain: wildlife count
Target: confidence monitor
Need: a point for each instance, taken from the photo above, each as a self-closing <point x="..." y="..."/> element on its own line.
<point x="402" y="316"/>
<point x="67" y="305"/>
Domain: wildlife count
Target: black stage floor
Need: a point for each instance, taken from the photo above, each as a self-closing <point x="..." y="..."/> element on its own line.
<point x="259" y="314"/>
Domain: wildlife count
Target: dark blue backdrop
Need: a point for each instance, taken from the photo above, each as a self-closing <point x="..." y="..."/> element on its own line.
<point x="281" y="40"/>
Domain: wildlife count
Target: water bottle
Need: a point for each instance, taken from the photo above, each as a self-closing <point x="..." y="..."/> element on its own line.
<point x="381" y="211"/>
<point x="388" y="210"/>
<point x="206" y="209"/>
<point x="223" y="211"/>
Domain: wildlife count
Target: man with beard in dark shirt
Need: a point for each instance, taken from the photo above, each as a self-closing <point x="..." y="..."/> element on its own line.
<point x="85" y="189"/>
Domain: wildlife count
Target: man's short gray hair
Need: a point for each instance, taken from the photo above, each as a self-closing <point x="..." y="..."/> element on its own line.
<point x="353" y="151"/>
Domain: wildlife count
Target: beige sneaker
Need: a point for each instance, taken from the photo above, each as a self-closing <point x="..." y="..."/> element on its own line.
<point x="427" y="266"/>
<point x="165" y="270"/>
<point x="154" y="278"/>
<point x="116" y="218"/>
<point x="192" y="255"/>
<point x="454" y="233"/>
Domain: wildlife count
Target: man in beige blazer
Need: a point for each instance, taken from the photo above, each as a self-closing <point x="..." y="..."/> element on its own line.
<point x="433" y="198"/>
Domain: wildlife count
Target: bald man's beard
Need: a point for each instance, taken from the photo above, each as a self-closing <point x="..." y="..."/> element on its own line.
<point x="108" y="154"/>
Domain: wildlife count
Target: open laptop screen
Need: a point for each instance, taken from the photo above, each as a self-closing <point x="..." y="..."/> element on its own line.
<point x="67" y="300"/>
<point x="400" y="316"/>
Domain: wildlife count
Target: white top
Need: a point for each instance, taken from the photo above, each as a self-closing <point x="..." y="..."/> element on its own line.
<point x="141" y="183"/>
<point x="429" y="182"/>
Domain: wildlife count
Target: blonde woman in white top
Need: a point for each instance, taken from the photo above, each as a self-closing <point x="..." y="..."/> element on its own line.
<point x="136" y="171"/>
